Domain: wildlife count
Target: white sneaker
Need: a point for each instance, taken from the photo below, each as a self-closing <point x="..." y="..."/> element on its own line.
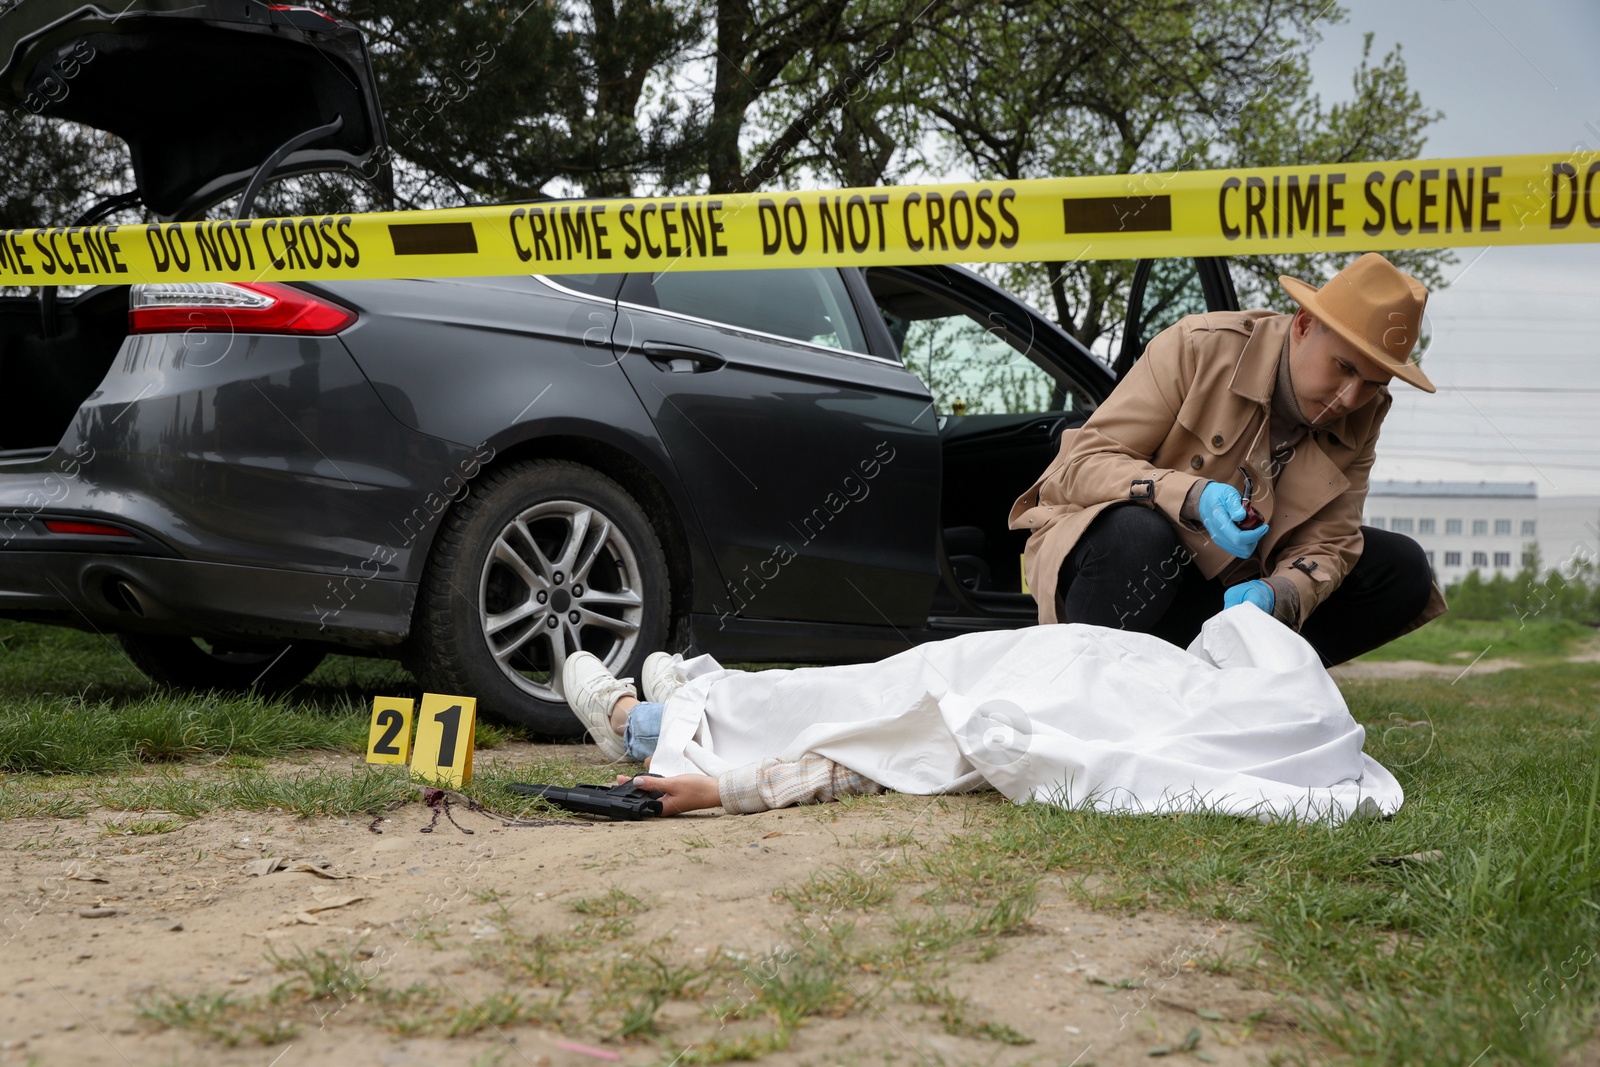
<point x="591" y="691"/>
<point x="659" y="677"/>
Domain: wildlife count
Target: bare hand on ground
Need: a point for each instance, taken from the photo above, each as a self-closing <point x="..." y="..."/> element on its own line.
<point x="681" y="792"/>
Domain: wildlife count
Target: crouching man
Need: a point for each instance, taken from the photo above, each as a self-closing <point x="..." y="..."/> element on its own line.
<point x="1141" y="522"/>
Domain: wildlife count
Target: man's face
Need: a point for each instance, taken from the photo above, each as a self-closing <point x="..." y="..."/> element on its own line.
<point x="1331" y="379"/>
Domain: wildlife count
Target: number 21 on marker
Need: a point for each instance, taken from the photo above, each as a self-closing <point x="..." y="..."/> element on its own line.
<point x="445" y="727"/>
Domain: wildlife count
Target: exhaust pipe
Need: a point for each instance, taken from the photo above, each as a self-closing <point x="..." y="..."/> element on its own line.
<point x="127" y="597"/>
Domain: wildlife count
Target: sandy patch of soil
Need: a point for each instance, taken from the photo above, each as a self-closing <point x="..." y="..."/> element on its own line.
<point x="179" y="913"/>
<point x="1586" y="651"/>
<point x="1415" y="668"/>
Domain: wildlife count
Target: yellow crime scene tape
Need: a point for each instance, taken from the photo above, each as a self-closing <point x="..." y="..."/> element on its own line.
<point x="1346" y="207"/>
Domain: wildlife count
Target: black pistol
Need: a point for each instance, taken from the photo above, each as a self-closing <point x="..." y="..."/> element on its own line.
<point x="625" y="801"/>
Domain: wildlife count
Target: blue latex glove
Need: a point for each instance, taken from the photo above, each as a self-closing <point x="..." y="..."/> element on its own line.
<point x="1222" y="509"/>
<point x="1257" y="592"/>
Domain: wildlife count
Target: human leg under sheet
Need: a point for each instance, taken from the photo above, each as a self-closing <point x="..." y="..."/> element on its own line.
<point x="1245" y="721"/>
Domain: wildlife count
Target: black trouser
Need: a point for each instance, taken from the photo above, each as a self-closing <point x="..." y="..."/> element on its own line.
<point x="1129" y="571"/>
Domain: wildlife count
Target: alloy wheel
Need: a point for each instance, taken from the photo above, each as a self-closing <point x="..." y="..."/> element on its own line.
<point x="558" y="578"/>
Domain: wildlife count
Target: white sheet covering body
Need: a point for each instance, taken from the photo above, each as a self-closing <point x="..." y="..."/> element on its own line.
<point x="1245" y="721"/>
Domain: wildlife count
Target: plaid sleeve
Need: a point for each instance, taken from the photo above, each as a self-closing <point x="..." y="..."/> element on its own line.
<point x="776" y="783"/>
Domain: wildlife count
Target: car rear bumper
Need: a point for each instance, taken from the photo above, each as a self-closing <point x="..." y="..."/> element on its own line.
<point x="129" y="593"/>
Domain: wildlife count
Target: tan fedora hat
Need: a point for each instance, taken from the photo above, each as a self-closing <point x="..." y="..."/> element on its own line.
<point x="1376" y="307"/>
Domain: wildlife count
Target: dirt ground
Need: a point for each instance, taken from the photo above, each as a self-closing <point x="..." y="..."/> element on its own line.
<point x="101" y="924"/>
<point x="1416" y="668"/>
<point x="1587" y="651"/>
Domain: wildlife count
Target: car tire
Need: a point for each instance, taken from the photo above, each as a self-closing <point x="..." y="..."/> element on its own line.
<point x="540" y="559"/>
<point x="231" y="666"/>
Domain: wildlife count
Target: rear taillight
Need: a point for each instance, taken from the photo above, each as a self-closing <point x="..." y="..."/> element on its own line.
<point x="85" y="529"/>
<point x="232" y="307"/>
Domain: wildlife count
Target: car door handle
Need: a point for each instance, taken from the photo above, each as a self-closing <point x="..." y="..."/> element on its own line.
<point x="680" y="358"/>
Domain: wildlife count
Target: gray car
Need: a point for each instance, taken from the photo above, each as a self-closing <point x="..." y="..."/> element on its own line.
<point x="481" y="476"/>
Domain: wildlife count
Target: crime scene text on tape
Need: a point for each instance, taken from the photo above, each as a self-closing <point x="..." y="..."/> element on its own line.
<point x="1348" y="207"/>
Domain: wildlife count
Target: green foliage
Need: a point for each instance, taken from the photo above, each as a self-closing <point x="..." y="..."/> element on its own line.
<point x="490" y="102"/>
<point x="1022" y="90"/>
<point x="1568" y="592"/>
<point x="971" y="370"/>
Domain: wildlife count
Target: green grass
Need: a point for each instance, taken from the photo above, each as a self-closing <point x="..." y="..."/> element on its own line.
<point x="307" y="794"/>
<point x="1489" y="956"/>
<point x="67" y="736"/>
<point x="36" y="660"/>
<point x="1454" y="640"/>
<point x="80" y="728"/>
<point x="72" y="704"/>
<point x="1493" y="951"/>
<point x="838" y="888"/>
<point x="612" y="904"/>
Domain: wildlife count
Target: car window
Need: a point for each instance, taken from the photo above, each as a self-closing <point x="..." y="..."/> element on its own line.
<point x="806" y="304"/>
<point x="971" y="365"/>
<point x="1172" y="291"/>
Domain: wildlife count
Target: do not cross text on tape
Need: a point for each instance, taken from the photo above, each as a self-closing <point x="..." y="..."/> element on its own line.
<point x="1348" y="207"/>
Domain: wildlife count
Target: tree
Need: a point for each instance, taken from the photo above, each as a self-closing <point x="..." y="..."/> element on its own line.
<point x="838" y="112"/>
<point x="492" y="102"/>
<point x="496" y="102"/>
<point x="51" y="172"/>
<point x="1014" y="89"/>
<point x="488" y="103"/>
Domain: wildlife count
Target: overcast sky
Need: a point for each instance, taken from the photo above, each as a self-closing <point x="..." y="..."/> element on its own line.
<point x="1515" y="350"/>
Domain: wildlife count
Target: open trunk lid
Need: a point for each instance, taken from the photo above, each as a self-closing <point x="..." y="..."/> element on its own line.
<point x="203" y="93"/>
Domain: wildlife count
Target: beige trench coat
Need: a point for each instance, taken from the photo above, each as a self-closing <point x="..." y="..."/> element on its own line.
<point x="1193" y="409"/>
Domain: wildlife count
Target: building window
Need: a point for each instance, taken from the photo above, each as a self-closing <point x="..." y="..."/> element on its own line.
<point x="1400" y="525"/>
<point x="1502" y="527"/>
<point x="1480" y="559"/>
<point x="1452" y="559"/>
<point x="1429" y="554"/>
<point x="1528" y="527"/>
<point x="1452" y="526"/>
<point x="1376" y="523"/>
<point x="1530" y="557"/>
<point x="1424" y="526"/>
<point x="1480" y="527"/>
<point x="1502" y="559"/>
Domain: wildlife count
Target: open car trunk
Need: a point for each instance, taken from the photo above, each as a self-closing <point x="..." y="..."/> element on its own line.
<point x="203" y="93"/>
<point x="211" y="97"/>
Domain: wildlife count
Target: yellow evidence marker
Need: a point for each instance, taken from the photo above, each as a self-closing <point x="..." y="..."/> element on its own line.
<point x="389" y="737"/>
<point x="445" y="728"/>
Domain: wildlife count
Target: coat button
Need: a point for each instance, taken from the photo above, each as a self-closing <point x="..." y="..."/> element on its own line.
<point x="1216" y="442"/>
<point x="1197" y="463"/>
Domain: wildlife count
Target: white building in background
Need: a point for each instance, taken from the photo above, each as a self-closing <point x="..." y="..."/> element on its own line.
<point x="1569" y="530"/>
<point x="1487" y="526"/>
